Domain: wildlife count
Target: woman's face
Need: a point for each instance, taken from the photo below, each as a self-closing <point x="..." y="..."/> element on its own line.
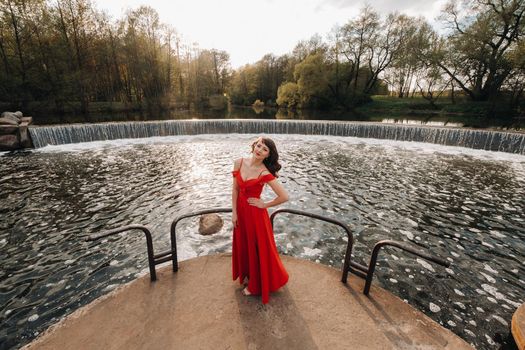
<point x="260" y="150"/>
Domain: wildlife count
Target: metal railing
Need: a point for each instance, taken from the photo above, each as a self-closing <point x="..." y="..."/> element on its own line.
<point x="349" y="246"/>
<point x="152" y="261"/>
<point x="368" y="272"/>
<point x="173" y="235"/>
<point x="365" y="272"/>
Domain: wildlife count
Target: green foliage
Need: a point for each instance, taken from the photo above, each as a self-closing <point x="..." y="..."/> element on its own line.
<point x="288" y="95"/>
<point x="258" y="81"/>
<point x="218" y="102"/>
<point x="258" y="104"/>
<point x="244" y="86"/>
<point x="464" y="106"/>
<point x="66" y="55"/>
<point x="479" y="55"/>
<point x="369" y="55"/>
<point x="312" y="82"/>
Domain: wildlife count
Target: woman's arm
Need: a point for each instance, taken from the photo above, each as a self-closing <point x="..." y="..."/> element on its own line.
<point x="282" y="196"/>
<point x="235" y="193"/>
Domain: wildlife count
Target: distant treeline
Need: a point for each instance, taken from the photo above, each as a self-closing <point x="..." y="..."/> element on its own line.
<point x="66" y="52"/>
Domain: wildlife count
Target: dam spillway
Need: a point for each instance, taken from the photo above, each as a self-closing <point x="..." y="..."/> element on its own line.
<point x="490" y="140"/>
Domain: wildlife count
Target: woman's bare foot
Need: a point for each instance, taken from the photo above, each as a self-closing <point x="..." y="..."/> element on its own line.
<point x="246" y="292"/>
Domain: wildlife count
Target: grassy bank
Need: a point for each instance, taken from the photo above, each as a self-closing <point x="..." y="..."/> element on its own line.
<point x="444" y="107"/>
<point x="74" y="107"/>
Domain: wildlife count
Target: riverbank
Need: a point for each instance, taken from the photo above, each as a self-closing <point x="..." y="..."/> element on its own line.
<point x="386" y="109"/>
<point x="445" y="107"/>
<point x="462" y="111"/>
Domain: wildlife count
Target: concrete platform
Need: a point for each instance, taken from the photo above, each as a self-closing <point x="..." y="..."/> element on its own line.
<point x="518" y="327"/>
<point x="201" y="308"/>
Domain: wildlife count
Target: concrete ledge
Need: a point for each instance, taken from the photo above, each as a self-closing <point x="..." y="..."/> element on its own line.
<point x="201" y="308"/>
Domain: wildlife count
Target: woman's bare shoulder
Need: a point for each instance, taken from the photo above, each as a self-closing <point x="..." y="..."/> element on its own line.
<point x="237" y="163"/>
<point x="265" y="171"/>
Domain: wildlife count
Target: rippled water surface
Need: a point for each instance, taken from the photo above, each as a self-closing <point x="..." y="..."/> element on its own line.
<point x="465" y="205"/>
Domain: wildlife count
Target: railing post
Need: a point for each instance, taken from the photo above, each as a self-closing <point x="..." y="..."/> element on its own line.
<point x="173" y="240"/>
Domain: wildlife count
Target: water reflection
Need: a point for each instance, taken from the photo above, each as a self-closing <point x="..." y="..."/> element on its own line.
<point x="259" y="112"/>
<point x="465" y="205"/>
<point x="422" y="122"/>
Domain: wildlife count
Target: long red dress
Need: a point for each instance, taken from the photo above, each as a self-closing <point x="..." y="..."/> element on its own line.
<point x="254" y="253"/>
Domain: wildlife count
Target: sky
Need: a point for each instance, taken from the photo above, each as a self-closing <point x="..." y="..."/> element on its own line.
<point x="248" y="29"/>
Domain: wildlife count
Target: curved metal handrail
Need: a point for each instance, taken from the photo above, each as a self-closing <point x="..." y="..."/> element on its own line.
<point x="403" y="246"/>
<point x="349" y="246"/>
<point x="149" y="243"/>
<point x="360" y="270"/>
<point x="173" y="236"/>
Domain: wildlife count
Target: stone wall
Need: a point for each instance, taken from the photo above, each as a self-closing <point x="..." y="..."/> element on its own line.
<point x="13" y="131"/>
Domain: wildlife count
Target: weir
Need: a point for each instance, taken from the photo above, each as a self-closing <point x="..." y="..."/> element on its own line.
<point x="511" y="142"/>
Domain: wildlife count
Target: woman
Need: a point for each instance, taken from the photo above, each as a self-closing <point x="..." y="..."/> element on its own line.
<point x="254" y="254"/>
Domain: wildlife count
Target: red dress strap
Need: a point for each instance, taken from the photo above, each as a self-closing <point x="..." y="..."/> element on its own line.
<point x="267" y="177"/>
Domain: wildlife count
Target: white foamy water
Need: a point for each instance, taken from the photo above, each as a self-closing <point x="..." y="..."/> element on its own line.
<point x="388" y="145"/>
<point x="461" y="204"/>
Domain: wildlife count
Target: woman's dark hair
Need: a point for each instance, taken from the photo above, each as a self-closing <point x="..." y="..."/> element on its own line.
<point x="272" y="161"/>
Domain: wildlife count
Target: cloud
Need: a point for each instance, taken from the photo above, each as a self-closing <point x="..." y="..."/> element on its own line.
<point x="428" y="8"/>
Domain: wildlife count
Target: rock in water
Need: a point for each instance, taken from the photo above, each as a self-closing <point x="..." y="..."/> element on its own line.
<point x="210" y="224"/>
<point x="11" y="117"/>
<point x="8" y="129"/>
<point x="9" y="142"/>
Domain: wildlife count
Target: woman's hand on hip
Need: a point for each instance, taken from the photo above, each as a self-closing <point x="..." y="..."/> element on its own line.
<point x="257" y="202"/>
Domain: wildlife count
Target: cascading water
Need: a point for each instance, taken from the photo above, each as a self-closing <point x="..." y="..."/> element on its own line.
<point x="478" y="139"/>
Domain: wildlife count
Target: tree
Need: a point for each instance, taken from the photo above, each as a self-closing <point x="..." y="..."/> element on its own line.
<point x="221" y="70"/>
<point x="432" y="82"/>
<point x="515" y="83"/>
<point x="480" y="43"/>
<point x="359" y="37"/>
<point x="370" y="45"/>
<point x="409" y="60"/>
<point x="244" y="87"/>
<point x="288" y="95"/>
<point x="312" y="81"/>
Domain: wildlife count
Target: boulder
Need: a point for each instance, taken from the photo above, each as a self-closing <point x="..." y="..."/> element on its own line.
<point x="9" y="142"/>
<point x="210" y="224"/>
<point x="29" y="120"/>
<point x="25" y="140"/>
<point x="8" y="129"/>
<point x="9" y="120"/>
<point x="15" y="116"/>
